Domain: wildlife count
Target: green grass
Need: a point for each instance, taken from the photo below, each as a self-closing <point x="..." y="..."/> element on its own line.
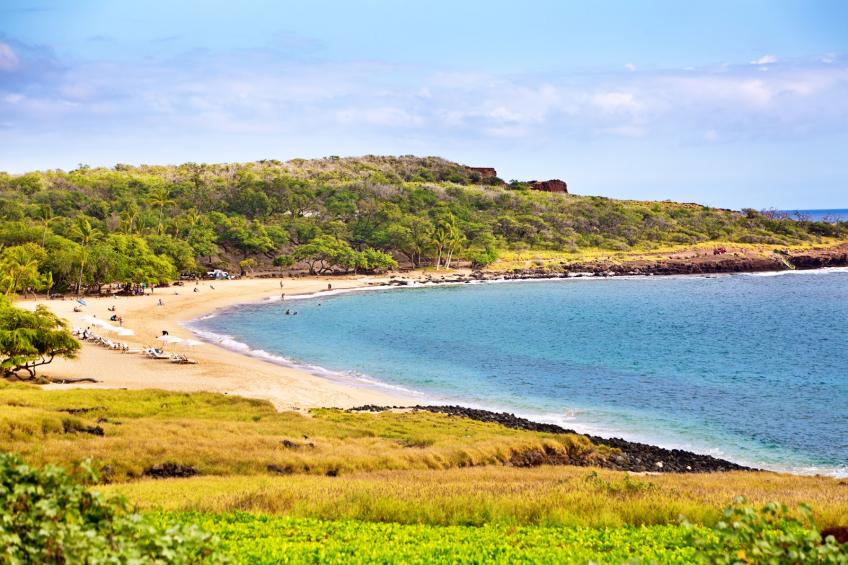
<point x="256" y="539"/>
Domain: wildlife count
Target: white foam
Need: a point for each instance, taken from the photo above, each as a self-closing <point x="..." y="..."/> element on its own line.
<point x="346" y="377"/>
<point x="822" y="271"/>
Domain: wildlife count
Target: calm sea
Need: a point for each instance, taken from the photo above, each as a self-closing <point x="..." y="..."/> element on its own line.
<point x="832" y="215"/>
<point x="753" y="368"/>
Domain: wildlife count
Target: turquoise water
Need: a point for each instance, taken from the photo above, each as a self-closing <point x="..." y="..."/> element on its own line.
<point x="753" y="368"/>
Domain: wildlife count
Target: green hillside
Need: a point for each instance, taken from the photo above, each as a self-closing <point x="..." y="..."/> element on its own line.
<point x="147" y="224"/>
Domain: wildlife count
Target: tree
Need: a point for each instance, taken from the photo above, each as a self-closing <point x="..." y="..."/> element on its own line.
<point x="325" y="252"/>
<point x="19" y="268"/>
<point x="45" y="218"/>
<point x="374" y="261"/>
<point x="86" y="234"/>
<point x="31" y="339"/>
<point x="247" y="265"/>
<point x="159" y="198"/>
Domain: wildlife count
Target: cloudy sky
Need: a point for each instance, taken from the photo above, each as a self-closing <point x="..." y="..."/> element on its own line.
<point x="738" y="103"/>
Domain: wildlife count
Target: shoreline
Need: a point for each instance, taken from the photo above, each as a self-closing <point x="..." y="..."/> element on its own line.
<point x="287" y="385"/>
<point x="219" y="369"/>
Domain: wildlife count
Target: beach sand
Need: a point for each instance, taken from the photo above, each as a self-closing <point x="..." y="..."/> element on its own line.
<point x="218" y="369"/>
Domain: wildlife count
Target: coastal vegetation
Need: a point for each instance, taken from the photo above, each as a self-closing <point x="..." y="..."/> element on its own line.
<point x="89" y="227"/>
<point x="328" y="485"/>
<point x="30" y="339"/>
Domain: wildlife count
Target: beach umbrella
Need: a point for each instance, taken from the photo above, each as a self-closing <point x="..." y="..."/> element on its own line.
<point x="81" y="301"/>
<point x="166" y="339"/>
<point x="125" y="331"/>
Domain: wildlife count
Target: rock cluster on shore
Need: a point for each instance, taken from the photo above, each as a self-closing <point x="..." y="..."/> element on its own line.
<point x="632" y="456"/>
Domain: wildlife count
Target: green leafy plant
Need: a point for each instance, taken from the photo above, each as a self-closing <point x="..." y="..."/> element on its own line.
<point x="48" y="516"/>
<point x="772" y="534"/>
<point x="31" y="339"/>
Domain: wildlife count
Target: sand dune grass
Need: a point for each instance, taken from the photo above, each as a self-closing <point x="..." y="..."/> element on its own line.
<point x="221" y="435"/>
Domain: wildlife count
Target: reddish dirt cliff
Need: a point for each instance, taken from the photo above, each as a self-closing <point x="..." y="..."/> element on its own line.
<point x="553" y="185"/>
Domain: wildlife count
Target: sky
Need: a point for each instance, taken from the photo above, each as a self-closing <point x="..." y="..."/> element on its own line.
<point x="739" y="103"/>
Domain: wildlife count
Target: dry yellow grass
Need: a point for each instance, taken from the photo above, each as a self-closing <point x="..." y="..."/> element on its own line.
<point x="225" y="435"/>
<point x="410" y="467"/>
<point x="525" y="259"/>
<point x="571" y="496"/>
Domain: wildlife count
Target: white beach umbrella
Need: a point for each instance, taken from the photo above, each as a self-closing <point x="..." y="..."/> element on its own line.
<point x="125" y="332"/>
<point x="169" y="339"/>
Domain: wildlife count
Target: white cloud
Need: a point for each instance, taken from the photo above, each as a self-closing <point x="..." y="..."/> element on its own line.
<point x="8" y="59"/>
<point x="630" y="67"/>
<point x="711" y="135"/>
<point x="765" y="60"/>
<point x="613" y="102"/>
<point x="829" y="58"/>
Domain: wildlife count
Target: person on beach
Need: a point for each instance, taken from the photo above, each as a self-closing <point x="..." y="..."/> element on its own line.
<point x="281" y="284"/>
<point x="160" y="303"/>
<point x="165" y="332"/>
<point x="196" y="289"/>
<point x="329" y="286"/>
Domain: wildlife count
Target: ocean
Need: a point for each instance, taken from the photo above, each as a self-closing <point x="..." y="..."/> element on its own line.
<point x="830" y="215"/>
<point x="752" y="368"/>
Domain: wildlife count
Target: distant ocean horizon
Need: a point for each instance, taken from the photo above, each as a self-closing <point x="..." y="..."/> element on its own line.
<point x="823" y="215"/>
<point x="748" y="367"/>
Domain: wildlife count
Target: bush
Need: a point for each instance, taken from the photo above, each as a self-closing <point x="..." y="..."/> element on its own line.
<point x="771" y="534"/>
<point x="46" y="516"/>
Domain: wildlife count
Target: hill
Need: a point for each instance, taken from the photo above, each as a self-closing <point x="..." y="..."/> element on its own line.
<point x="147" y="224"/>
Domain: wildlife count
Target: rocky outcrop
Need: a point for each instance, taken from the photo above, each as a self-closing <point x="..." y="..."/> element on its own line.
<point x="631" y="456"/>
<point x="170" y="470"/>
<point x="553" y="185"/>
<point x="484" y="172"/>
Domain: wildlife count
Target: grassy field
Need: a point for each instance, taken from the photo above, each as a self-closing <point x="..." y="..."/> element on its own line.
<point x="248" y="538"/>
<point x="530" y="258"/>
<point x="413" y="467"/>
<point x="126" y="432"/>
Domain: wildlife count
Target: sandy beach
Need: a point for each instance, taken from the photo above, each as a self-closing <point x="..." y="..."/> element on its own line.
<point x="218" y="369"/>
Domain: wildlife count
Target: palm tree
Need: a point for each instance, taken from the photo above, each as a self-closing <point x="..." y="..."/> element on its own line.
<point x="45" y="218"/>
<point x="18" y="266"/>
<point x="159" y="198"/>
<point x="86" y="234"/>
<point x="129" y="216"/>
<point x="454" y="243"/>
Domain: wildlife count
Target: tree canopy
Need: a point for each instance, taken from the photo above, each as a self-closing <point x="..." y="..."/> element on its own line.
<point x="94" y="226"/>
<point x="32" y="339"/>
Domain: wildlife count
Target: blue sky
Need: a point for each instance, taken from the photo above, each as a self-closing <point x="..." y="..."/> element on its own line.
<point x="734" y="104"/>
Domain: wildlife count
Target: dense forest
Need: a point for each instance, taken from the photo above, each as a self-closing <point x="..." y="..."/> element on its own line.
<point x="82" y="229"/>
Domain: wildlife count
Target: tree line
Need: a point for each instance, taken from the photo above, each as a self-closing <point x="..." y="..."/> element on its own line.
<point x="82" y="229"/>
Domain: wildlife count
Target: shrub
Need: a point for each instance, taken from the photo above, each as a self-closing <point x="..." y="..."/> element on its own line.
<point x="46" y="516"/>
<point x="772" y="534"/>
